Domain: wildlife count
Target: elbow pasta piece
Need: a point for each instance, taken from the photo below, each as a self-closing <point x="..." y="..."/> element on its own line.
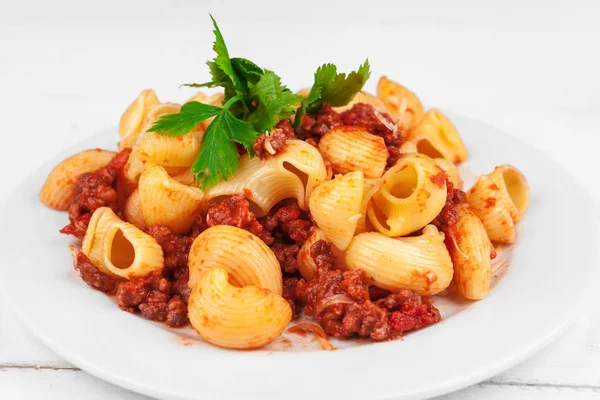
<point x="400" y="102"/>
<point x="166" y="202"/>
<point x="451" y="171"/>
<point x="420" y="263"/>
<point x="335" y="207"/>
<point x="350" y="148"/>
<point x="57" y="191"/>
<point x="133" y="119"/>
<point x="500" y="200"/>
<point x="233" y="317"/>
<point x="119" y="248"/>
<point x="200" y="97"/>
<point x="130" y="176"/>
<point x="186" y="177"/>
<point x="133" y="210"/>
<point x="371" y="186"/>
<point x="247" y="259"/>
<point x="306" y="264"/>
<point x="436" y="137"/>
<point x="293" y="173"/>
<point x="168" y="151"/>
<point x="412" y="194"/>
<point x="364" y="97"/>
<point x="470" y="250"/>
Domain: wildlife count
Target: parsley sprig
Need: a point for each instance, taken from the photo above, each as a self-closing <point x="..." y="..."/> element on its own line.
<point x="255" y="100"/>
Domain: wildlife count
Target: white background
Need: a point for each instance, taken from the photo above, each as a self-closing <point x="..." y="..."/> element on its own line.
<point x="69" y="69"/>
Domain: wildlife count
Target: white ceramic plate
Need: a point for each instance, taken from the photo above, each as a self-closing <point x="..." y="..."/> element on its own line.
<point x="535" y="297"/>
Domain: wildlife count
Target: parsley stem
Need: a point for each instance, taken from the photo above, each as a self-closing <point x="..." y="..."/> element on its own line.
<point x="232" y="100"/>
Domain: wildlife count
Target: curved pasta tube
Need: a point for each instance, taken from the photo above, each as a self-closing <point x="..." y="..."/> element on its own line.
<point x="451" y="171"/>
<point x="186" y="177"/>
<point x="168" y="151"/>
<point x="400" y="102"/>
<point x="247" y="259"/>
<point x="133" y="118"/>
<point x="364" y="97"/>
<point x="293" y="173"/>
<point x="470" y="250"/>
<point x="57" y="191"/>
<point x="233" y="317"/>
<point x="436" y="137"/>
<point x="500" y="200"/>
<point x="412" y="194"/>
<point x="119" y="248"/>
<point x="200" y="97"/>
<point x="166" y="202"/>
<point x="133" y="210"/>
<point x="130" y="176"/>
<point x="335" y="207"/>
<point x="351" y="148"/>
<point x="420" y="263"/>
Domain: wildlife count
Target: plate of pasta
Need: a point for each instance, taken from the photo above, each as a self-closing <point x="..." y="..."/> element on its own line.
<point x="260" y="243"/>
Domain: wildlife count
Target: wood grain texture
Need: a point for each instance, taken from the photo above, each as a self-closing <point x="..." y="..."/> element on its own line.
<point x="529" y="71"/>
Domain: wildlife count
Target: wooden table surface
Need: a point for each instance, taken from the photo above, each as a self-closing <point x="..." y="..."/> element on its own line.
<point x="68" y="70"/>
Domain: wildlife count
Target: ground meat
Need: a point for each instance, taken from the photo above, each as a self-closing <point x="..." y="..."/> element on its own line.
<point x="289" y="293"/>
<point x="94" y="190"/>
<point x="175" y="249"/>
<point x="322" y="255"/>
<point x="154" y="298"/>
<point x="92" y="276"/>
<point x="235" y="211"/>
<point x="325" y="119"/>
<point x="287" y="256"/>
<point x="287" y="221"/>
<point x="340" y="302"/>
<point x="455" y="200"/>
<point x="275" y="141"/>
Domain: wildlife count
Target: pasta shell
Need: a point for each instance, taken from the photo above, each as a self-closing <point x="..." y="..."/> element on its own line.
<point x="57" y="191"/>
<point x="401" y="103"/>
<point x="470" y="250"/>
<point x="119" y="248"/>
<point x="451" y="171"/>
<point x="233" y="317"/>
<point x="500" y="199"/>
<point x="436" y="137"/>
<point x="412" y="194"/>
<point x="420" y="263"/>
<point x="335" y="207"/>
<point x="133" y="210"/>
<point x="166" y="202"/>
<point x="133" y="118"/>
<point x="247" y="259"/>
<point x="293" y="173"/>
<point x="168" y="151"/>
<point x="350" y="148"/>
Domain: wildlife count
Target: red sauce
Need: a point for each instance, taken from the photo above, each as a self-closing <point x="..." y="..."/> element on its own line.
<point x="340" y="302"/>
<point x="94" y="190"/>
<point x="153" y="296"/>
<point x="92" y="275"/>
<point x="235" y="211"/>
<point x="456" y="199"/>
<point x="275" y="142"/>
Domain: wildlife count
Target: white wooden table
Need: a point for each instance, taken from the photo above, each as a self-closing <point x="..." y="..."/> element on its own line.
<point x="69" y="69"/>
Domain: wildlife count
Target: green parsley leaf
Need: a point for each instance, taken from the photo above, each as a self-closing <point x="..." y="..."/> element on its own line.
<point x="240" y="131"/>
<point x="274" y="102"/>
<point x="247" y="70"/>
<point x="218" y="158"/>
<point x="222" y="63"/>
<point x="333" y="88"/>
<point x="191" y="114"/>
